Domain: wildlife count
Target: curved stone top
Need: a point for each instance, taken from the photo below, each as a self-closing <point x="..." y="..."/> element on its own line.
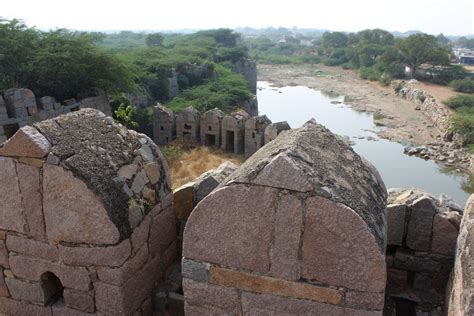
<point x="162" y="112"/>
<point x="279" y="126"/>
<point x="212" y="114"/>
<point x="119" y="165"/>
<point x="313" y="160"/>
<point x="189" y="114"/>
<point x="258" y="122"/>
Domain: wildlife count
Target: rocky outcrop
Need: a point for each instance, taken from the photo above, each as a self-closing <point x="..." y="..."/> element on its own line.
<point x="86" y="218"/>
<point x="283" y="233"/>
<point x="248" y="69"/>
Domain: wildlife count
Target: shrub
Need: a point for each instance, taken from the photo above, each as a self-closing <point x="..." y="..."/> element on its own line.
<point x="369" y="73"/>
<point x="463" y="85"/>
<point x="460" y="101"/>
<point x="462" y="122"/>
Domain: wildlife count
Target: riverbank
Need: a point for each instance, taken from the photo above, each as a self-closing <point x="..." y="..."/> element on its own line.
<point x="403" y="123"/>
<point x="402" y="119"/>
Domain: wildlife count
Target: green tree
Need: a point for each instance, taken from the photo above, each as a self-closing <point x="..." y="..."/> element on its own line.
<point x="333" y="40"/>
<point x="418" y="49"/>
<point x="154" y="40"/>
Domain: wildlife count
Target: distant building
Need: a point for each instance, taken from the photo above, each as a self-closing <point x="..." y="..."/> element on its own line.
<point x="464" y="56"/>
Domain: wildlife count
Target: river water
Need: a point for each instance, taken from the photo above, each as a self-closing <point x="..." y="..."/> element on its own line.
<point x="298" y="104"/>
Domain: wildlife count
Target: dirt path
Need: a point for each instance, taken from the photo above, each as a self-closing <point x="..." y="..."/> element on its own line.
<point x="403" y="122"/>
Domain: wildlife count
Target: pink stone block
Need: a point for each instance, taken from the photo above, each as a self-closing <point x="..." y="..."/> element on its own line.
<point x="27" y="142"/>
<point x="32" y="248"/>
<point x="140" y="234"/>
<point x="3" y="286"/>
<point x="113" y="256"/>
<point x="32" y="269"/>
<point x="29" y="181"/>
<point x="72" y="212"/>
<point x="365" y="300"/>
<point x="12" y="307"/>
<point x="3" y="255"/>
<point x="162" y="231"/>
<point x="203" y="294"/>
<point x="83" y="301"/>
<point x="237" y="234"/>
<point x="12" y="214"/>
<point x="25" y="291"/>
<point x="339" y="250"/>
<point x="445" y="235"/>
<point x="287" y="236"/>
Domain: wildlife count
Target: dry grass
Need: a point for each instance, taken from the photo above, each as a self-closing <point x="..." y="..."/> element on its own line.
<point x="188" y="161"/>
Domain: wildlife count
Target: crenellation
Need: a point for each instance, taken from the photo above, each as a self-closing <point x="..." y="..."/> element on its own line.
<point x="211" y="125"/>
<point x="188" y="124"/>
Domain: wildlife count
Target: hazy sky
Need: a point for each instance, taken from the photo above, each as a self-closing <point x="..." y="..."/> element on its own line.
<point x="431" y="16"/>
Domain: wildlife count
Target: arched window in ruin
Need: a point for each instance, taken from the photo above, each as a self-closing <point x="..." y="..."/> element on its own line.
<point x="52" y="288"/>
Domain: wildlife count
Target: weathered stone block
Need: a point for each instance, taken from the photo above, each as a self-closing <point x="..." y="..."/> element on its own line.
<point x="420" y="224"/>
<point x="33" y="268"/>
<point x="397" y="279"/>
<point x="12" y="307"/>
<point x="335" y="241"/>
<point x="119" y="276"/>
<point x="140" y="234"/>
<point x="60" y="309"/>
<point x="12" y="215"/>
<point x="27" y="142"/>
<point x="113" y="256"/>
<point x="288" y="228"/>
<point x="3" y="286"/>
<point x="226" y="234"/>
<point x="412" y="262"/>
<point x="266" y="285"/>
<point x="139" y="182"/>
<point x="162" y="231"/>
<point x="183" y="200"/>
<point x="191" y="310"/>
<point x="84" y="221"/>
<point x="25" y="291"/>
<point x="445" y="235"/>
<point x="3" y="255"/>
<point x="282" y="173"/>
<point x="262" y="304"/>
<point x="152" y="170"/>
<point x="365" y="300"/>
<point x="395" y="224"/>
<point x="201" y="294"/>
<point x="83" y="301"/>
<point x="128" y="171"/>
<point x="31" y="247"/>
<point x="196" y="271"/>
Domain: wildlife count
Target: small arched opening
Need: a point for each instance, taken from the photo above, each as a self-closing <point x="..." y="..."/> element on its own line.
<point x="52" y="288"/>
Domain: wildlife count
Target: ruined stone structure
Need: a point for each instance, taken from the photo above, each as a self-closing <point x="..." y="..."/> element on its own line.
<point x="255" y="133"/>
<point x="298" y="229"/>
<point x="188" y="124"/>
<point x="20" y="107"/>
<point x="86" y="218"/>
<point x="233" y="132"/>
<point x="211" y="127"/>
<point x="164" y="125"/>
<point x="274" y="129"/>
<point x="249" y="106"/>
<point x="421" y="244"/>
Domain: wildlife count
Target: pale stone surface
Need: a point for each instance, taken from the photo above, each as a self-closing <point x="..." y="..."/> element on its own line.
<point x="262" y="304"/>
<point x="139" y="182"/>
<point x="83" y="301"/>
<point x="12" y="215"/>
<point x="153" y="172"/>
<point x="287" y="237"/>
<point x="183" y="200"/>
<point x="25" y="291"/>
<point x="27" y="142"/>
<point x="29" y="182"/>
<point x="32" y="269"/>
<point x="72" y="212"/>
<point x="113" y="256"/>
<point x="236" y="234"/>
<point x="265" y="285"/>
<point x="444" y="235"/>
<point x="282" y="173"/>
<point x="420" y="224"/>
<point x="395" y="223"/>
<point x="339" y="250"/>
<point x="118" y="276"/>
<point x="128" y="171"/>
<point x="226" y="299"/>
<point x="32" y="248"/>
<point x="196" y="271"/>
<point x="34" y="162"/>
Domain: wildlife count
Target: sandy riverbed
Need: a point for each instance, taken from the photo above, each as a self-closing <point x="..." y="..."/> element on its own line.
<point x="403" y="122"/>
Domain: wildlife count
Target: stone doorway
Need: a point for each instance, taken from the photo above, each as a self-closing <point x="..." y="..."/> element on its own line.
<point x="210" y="140"/>
<point x="229" y="141"/>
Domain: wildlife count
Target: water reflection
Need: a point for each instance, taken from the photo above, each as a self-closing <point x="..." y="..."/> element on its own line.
<point x="298" y="104"/>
